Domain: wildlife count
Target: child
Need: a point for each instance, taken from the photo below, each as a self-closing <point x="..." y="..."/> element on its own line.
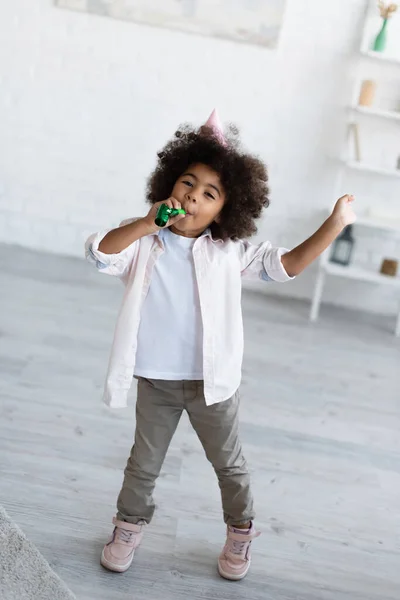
<point x="179" y="330"/>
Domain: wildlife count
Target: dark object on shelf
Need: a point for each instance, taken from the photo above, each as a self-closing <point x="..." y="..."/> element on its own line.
<point x="343" y="247"/>
<point x="389" y="267"/>
<point x="164" y="213"/>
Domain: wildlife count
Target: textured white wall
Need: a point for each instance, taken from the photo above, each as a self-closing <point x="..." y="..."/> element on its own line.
<point x="86" y="102"/>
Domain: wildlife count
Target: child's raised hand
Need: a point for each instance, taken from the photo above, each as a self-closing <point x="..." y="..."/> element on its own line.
<point x="343" y="210"/>
<point x="172" y="203"/>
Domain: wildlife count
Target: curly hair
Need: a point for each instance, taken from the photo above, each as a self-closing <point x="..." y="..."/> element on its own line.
<point x="243" y="177"/>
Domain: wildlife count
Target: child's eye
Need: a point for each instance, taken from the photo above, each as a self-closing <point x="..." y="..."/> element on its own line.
<point x="188" y="183"/>
<point x="210" y="195"/>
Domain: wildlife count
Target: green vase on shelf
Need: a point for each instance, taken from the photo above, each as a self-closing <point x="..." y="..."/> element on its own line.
<point x="381" y="38"/>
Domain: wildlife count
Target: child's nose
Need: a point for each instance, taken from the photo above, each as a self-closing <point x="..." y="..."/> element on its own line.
<point x="191" y="196"/>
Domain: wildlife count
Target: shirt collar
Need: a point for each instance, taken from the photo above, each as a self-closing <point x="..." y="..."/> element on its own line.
<point x="206" y="233"/>
<point x="209" y="234"/>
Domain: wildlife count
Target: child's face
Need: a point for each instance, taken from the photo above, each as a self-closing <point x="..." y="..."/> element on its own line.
<point x="201" y="195"/>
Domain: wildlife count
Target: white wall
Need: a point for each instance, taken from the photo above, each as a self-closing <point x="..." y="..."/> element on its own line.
<point x="86" y="102"/>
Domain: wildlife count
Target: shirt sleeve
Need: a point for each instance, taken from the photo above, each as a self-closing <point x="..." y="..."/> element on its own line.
<point x="111" y="264"/>
<point x="262" y="261"/>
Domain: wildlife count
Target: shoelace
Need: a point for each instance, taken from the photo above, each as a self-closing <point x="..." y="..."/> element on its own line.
<point x="124" y="535"/>
<point x="237" y="547"/>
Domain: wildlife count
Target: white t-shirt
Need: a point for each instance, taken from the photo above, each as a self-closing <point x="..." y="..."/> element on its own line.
<point x="170" y="337"/>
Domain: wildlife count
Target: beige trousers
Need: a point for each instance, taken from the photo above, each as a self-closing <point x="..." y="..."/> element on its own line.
<point x="158" y="410"/>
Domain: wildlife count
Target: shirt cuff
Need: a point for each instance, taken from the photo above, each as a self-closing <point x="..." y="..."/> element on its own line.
<point x="115" y="399"/>
<point x="274" y="269"/>
<point x="92" y="251"/>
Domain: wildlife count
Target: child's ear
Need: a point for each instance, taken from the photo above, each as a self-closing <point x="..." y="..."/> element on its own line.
<point x="218" y="219"/>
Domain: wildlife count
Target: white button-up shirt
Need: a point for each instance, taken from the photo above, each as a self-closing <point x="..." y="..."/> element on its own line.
<point x="220" y="266"/>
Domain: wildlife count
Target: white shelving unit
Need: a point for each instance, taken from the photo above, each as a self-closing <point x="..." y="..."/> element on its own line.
<point x="348" y="164"/>
<point x="361" y="274"/>
<point x="370" y="111"/>
<point x="356" y="272"/>
<point x="375" y="169"/>
<point x="380" y="57"/>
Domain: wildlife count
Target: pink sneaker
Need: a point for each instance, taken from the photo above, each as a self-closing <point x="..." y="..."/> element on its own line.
<point x="234" y="560"/>
<point x="118" y="554"/>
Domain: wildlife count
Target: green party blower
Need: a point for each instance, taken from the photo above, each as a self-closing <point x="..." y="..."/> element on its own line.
<point x="164" y="213"/>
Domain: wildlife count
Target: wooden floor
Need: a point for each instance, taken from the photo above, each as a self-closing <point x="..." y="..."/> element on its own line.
<point x="320" y="427"/>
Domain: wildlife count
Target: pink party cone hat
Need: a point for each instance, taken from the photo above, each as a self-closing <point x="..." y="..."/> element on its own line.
<point x="214" y="123"/>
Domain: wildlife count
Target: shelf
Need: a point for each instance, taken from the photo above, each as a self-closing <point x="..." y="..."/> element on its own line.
<point x="375" y="223"/>
<point x="380" y="56"/>
<point x="385" y="224"/>
<point x="354" y="272"/>
<point x="360" y="166"/>
<point x="377" y="112"/>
